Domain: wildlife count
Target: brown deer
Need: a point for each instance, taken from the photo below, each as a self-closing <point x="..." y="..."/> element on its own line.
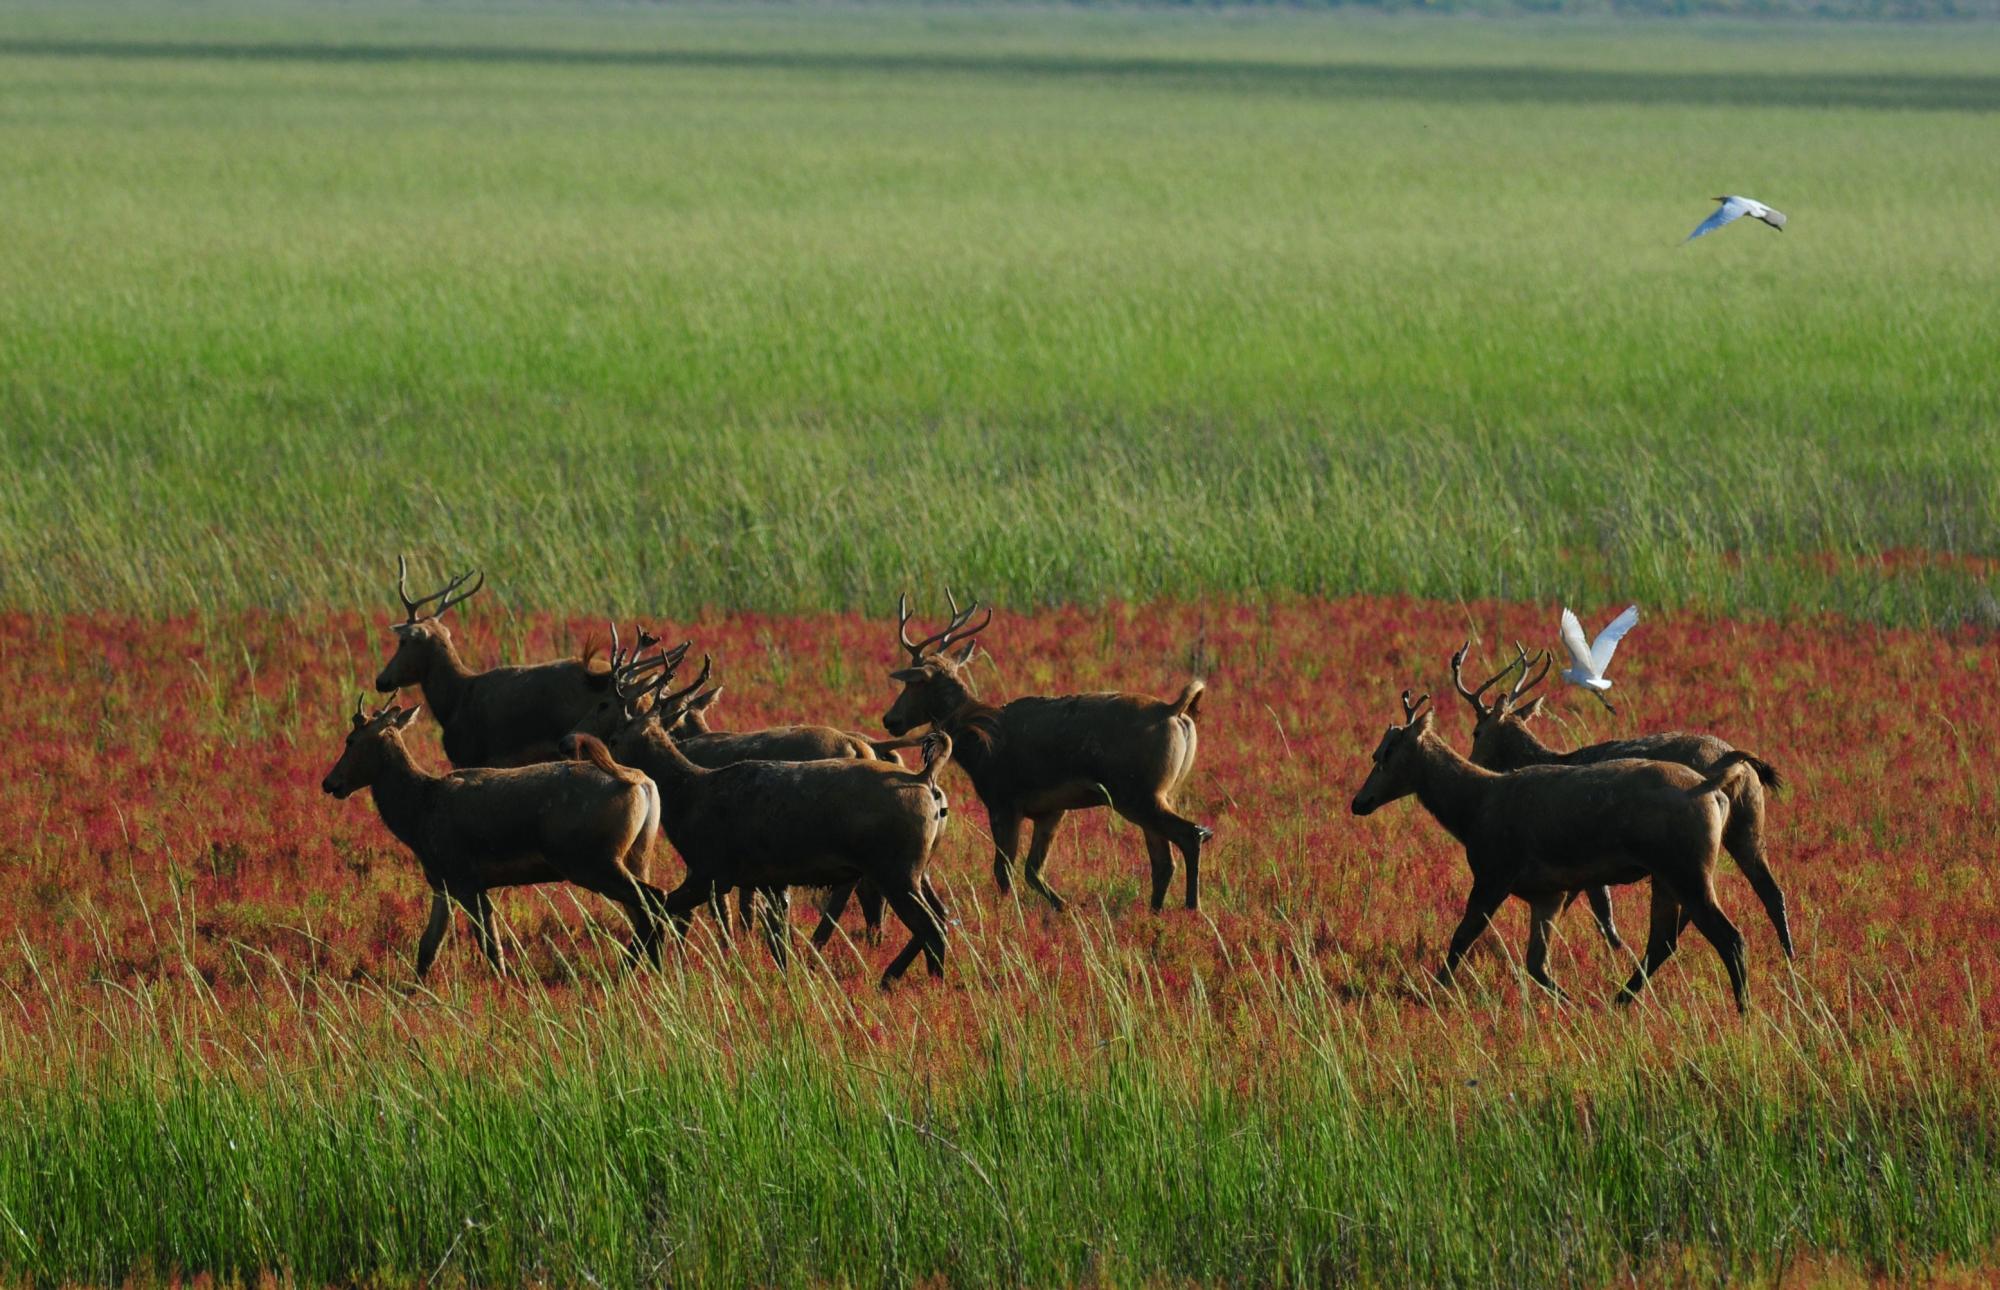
<point x="1547" y="831"/>
<point x="590" y="822"/>
<point x="632" y="704"/>
<point x="504" y="716"/>
<point x="1039" y="758"/>
<point x="772" y="825"/>
<point x="1503" y="740"/>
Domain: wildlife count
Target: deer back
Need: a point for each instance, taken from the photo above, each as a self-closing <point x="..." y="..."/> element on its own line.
<point x="517" y="715"/>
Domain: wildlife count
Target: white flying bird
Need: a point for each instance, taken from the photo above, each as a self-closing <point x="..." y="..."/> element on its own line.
<point x="1587" y="663"/>
<point x="1735" y="208"/>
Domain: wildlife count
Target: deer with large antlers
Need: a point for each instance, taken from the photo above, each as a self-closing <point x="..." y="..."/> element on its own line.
<point x="1545" y="832"/>
<point x="590" y="822"/>
<point x="635" y="703"/>
<point x="769" y="826"/>
<point x="1037" y="759"/>
<point x="504" y="716"/>
<point x="1502" y="739"/>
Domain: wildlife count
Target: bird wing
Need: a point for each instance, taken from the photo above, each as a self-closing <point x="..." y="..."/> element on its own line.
<point x="1607" y="640"/>
<point x="1776" y="219"/>
<point x="1726" y="213"/>
<point x="1572" y="635"/>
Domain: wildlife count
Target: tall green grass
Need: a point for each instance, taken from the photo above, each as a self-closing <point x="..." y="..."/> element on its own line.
<point x="785" y="309"/>
<point x="724" y="1126"/>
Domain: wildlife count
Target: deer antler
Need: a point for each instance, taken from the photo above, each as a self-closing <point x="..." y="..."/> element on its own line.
<point x="1411" y="707"/>
<point x="445" y="597"/>
<point x="1524" y="685"/>
<point x="952" y="633"/>
<point x="1474" y="696"/>
<point x="664" y="704"/>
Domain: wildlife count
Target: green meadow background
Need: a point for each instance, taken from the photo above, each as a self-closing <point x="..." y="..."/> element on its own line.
<point x="646" y="307"/>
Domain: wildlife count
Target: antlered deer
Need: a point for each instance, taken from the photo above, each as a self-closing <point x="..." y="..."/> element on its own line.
<point x="770" y="825"/>
<point x="1502" y="740"/>
<point x="504" y="716"/>
<point x="591" y="822"/>
<point x="1547" y="831"/>
<point x="618" y="719"/>
<point x="1038" y="758"/>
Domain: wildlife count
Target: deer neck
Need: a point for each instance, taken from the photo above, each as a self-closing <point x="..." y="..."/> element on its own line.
<point x="1521" y="748"/>
<point x="974" y="728"/>
<point x="402" y="793"/>
<point x="663" y="758"/>
<point x="1450" y="787"/>
<point x="445" y="680"/>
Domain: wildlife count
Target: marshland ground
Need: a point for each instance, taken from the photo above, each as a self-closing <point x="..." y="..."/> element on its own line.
<point x="1287" y="347"/>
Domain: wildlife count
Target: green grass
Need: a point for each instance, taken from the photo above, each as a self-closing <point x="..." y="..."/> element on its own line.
<point x="648" y="308"/>
<point x="721" y="1126"/>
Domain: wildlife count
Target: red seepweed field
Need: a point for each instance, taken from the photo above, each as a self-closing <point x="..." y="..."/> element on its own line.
<point x="180" y="886"/>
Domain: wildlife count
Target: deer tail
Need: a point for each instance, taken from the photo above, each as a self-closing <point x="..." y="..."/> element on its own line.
<point x="1189" y="704"/>
<point x="885" y="749"/>
<point x="1727" y="768"/>
<point x="1765" y="771"/>
<point x="591" y="749"/>
<point x="937" y="751"/>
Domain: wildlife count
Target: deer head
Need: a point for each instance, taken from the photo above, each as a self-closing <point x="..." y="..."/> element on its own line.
<point x="933" y="683"/>
<point x="629" y="700"/>
<point x="422" y="633"/>
<point x="1490" y="720"/>
<point x="1394" y="773"/>
<point x="367" y="744"/>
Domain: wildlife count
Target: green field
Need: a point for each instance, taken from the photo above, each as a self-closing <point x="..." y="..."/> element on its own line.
<point x="655" y="308"/>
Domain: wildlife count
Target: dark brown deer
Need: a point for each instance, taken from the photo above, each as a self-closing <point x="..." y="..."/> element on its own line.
<point x="632" y="704"/>
<point x="769" y="826"/>
<point x="1039" y="758"/>
<point x="590" y="822"/>
<point x="1503" y="740"/>
<point x="504" y="716"/>
<point x="1547" y="831"/>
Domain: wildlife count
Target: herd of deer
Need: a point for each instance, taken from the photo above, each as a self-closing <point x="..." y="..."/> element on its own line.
<point x="569" y="771"/>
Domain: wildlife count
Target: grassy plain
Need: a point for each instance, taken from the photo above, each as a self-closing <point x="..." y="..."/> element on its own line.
<point x="647" y="307"/>
<point x="213" y="1060"/>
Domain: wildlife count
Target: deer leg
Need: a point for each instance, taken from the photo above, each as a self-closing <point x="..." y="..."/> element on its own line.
<point x="481" y="909"/>
<point x="1607" y="920"/>
<point x="1723" y="935"/>
<point x="1743" y="838"/>
<point x="1156" y="816"/>
<point x="936" y="902"/>
<point x="1479" y="907"/>
<point x="679" y="904"/>
<point x="925" y="935"/>
<point x="746" y="899"/>
<point x="1006" y="827"/>
<point x="1038" y="854"/>
<point x="830" y="912"/>
<point x="1160" y="858"/>
<point x="1667" y="921"/>
<point x="427" y="946"/>
<point x="777" y="923"/>
<point x="1542" y="916"/>
<point x="870" y="897"/>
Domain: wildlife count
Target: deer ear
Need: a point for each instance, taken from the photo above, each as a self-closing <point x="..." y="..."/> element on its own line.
<point x="908" y="675"/>
<point x="402" y="719"/>
<point x="1422" y="725"/>
<point x="1532" y="710"/>
<point x="703" y="699"/>
<point x="965" y="655"/>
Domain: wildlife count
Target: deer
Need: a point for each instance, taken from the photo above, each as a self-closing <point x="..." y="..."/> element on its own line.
<point x="1545" y="832"/>
<point x="1038" y="758"/>
<point x="504" y="716"/>
<point x="772" y="825"/>
<point x="1503" y="739"/>
<point x="589" y="821"/>
<point x="633" y="703"/>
